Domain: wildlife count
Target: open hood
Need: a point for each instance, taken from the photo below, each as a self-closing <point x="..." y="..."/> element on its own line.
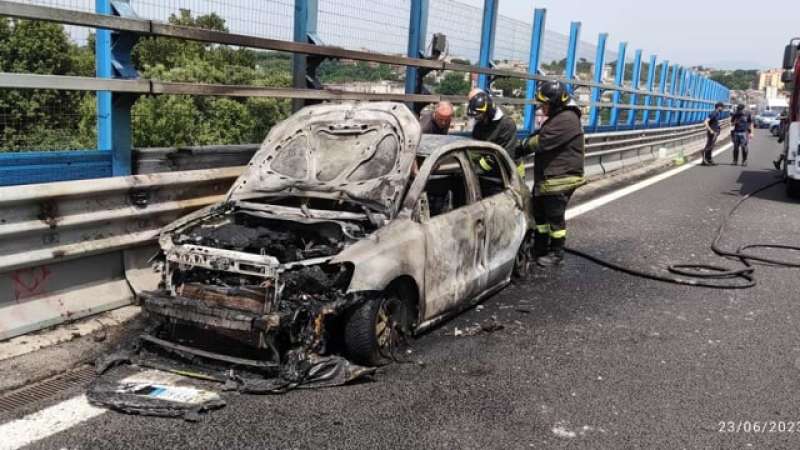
<point x="361" y="152"/>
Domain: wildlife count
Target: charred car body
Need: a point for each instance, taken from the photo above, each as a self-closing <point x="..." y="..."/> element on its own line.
<point x="348" y="230"/>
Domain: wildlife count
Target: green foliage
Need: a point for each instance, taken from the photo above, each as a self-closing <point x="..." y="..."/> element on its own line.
<point x="511" y="87"/>
<point x="737" y="79"/>
<point x="454" y="83"/>
<point x="40" y="119"/>
<point x="339" y="72"/>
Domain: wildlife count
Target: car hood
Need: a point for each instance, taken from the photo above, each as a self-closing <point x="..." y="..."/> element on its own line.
<point x="362" y="152"/>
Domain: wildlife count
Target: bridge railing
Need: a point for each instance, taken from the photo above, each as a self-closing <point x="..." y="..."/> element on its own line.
<point x="686" y="101"/>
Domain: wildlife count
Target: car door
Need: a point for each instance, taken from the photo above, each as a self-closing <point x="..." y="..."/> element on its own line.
<point x="455" y="232"/>
<point x="505" y="218"/>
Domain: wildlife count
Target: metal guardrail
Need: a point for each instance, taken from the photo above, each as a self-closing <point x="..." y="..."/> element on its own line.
<point x="74" y="248"/>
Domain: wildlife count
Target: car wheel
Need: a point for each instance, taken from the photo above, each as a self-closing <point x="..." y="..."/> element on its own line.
<point x="524" y="258"/>
<point x="376" y="329"/>
<point x="793" y="188"/>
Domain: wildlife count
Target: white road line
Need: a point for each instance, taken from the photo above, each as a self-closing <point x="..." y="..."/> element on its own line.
<point x="608" y="198"/>
<point x="47" y="422"/>
<point x="69" y="413"/>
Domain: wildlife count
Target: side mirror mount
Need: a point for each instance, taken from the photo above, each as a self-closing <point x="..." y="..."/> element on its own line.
<point x="789" y="56"/>
<point x="422" y="211"/>
<point x="787" y="77"/>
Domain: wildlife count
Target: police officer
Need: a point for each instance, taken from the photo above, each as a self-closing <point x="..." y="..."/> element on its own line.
<point x="712" y="133"/>
<point x="558" y="148"/>
<point x="490" y="123"/>
<point x="742" y="133"/>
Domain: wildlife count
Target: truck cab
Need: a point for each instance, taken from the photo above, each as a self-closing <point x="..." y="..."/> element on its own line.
<point x="791" y="77"/>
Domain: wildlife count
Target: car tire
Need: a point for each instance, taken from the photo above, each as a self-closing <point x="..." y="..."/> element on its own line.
<point x="793" y="188"/>
<point x="375" y="329"/>
<point x="524" y="259"/>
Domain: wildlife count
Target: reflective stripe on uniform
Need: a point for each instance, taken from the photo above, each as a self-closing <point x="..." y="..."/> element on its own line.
<point x="543" y="229"/>
<point x="558" y="234"/>
<point x="560" y="184"/>
<point x="484" y="164"/>
<point x="521" y="169"/>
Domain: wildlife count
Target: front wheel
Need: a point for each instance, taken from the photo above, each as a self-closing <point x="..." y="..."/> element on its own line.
<point x="376" y="329"/>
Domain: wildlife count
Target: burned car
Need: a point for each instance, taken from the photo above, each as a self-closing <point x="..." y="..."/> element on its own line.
<point x="348" y="230"/>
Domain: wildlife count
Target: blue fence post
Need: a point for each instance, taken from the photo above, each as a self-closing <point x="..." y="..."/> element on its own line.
<point x="113" y="59"/>
<point x="305" y="25"/>
<point x="572" y="50"/>
<point x="671" y="102"/>
<point x="417" y="31"/>
<point x="103" y="70"/>
<point x="636" y="78"/>
<point x="651" y="79"/>
<point x="599" y="65"/>
<point x="681" y="90"/>
<point x="537" y="35"/>
<point x="487" y="40"/>
<point x="662" y="89"/>
<point x="703" y="98"/>
<point x="619" y="78"/>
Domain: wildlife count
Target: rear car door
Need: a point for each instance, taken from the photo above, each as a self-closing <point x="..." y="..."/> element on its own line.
<point x="505" y="218"/>
<point x="455" y="232"/>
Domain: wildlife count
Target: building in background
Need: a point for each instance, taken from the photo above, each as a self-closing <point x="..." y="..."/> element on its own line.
<point x="770" y="79"/>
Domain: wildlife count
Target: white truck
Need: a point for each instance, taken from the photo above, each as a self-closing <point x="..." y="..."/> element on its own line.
<point x="791" y="155"/>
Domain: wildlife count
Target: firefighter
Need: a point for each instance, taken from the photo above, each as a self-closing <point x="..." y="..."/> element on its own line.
<point x="558" y="149"/>
<point x="741" y="133"/>
<point x="490" y="123"/>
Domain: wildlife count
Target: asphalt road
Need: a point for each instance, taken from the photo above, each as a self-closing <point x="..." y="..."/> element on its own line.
<point x="588" y="357"/>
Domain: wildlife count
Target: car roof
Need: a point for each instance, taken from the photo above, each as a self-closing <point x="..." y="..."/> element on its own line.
<point x="432" y="142"/>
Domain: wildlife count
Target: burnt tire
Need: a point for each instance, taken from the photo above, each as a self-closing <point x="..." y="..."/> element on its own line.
<point x="523" y="262"/>
<point x="375" y="330"/>
<point x="793" y="188"/>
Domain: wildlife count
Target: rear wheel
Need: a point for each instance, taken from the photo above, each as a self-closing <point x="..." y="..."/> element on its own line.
<point x="793" y="188"/>
<point x="376" y="329"/>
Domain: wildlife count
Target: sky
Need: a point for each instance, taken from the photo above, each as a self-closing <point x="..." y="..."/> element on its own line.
<point x="730" y="34"/>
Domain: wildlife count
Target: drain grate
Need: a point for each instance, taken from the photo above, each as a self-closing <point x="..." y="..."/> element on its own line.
<point x="47" y="388"/>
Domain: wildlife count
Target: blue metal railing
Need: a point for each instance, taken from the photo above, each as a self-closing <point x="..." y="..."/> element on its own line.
<point x="114" y="144"/>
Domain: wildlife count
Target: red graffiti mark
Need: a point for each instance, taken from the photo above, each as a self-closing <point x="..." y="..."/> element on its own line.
<point x="30" y="282"/>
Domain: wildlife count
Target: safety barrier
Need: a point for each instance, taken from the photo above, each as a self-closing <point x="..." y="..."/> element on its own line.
<point x="63" y="245"/>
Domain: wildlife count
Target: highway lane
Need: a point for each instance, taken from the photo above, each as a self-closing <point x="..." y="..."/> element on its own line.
<point x="588" y="357"/>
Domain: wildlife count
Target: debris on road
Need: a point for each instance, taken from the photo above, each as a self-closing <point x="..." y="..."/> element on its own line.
<point x="488" y="326"/>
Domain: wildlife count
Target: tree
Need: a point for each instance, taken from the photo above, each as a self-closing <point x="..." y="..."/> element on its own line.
<point x="511" y="87"/>
<point x="454" y="83"/>
<point x="40" y="119"/>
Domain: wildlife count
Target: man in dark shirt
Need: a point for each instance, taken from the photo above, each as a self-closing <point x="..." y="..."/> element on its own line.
<point x="491" y="124"/>
<point x="712" y="133"/>
<point x="437" y="122"/>
<point x="742" y="133"/>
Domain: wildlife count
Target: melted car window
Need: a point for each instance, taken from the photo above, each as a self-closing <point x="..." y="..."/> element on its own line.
<point x="381" y="162"/>
<point x="292" y="159"/>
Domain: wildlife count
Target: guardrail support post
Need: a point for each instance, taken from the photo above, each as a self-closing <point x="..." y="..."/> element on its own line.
<point x="487" y="41"/>
<point x="619" y="79"/>
<point x="662" y="86"/>
<point x="680" y="92"/>
<point x="305" y="27"/>
<point x="599" y="65"/>
<point x="572" y="50"/>
<point x="651" y="79"/>
<point x="636" y="79"/>
<point x="672" y="90"/>
<point x="537" y="36"/>
<point x="417" y="31"/>
<point x="113" y="60"/>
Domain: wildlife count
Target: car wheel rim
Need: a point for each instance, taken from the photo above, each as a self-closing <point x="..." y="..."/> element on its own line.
<point x="387" y="328"/>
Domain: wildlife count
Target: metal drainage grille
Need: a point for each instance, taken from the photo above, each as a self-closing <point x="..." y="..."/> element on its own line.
<point x="45" y="389"/>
